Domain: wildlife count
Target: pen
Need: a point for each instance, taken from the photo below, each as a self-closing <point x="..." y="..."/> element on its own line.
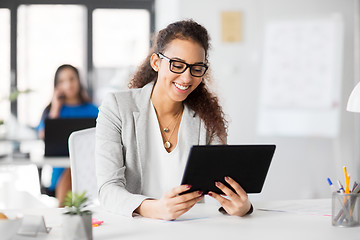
<point x="331" y="185"/>
<point x="357" y="189"/>
<point x="347" y="181"/>
<point x="354" y="187"/>
<point x="341" y="188"/>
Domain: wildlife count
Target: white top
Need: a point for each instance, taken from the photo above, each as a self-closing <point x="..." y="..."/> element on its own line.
<point x="163" y="170"/>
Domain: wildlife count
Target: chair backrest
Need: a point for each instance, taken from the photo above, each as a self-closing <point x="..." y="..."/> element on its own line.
<point x="82" y="163"/>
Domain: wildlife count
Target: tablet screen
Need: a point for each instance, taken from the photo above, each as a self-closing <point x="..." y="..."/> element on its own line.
<point x="246" y="164"/>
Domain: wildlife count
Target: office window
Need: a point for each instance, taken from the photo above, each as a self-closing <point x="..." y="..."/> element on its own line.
<point x="4" y="63"/>
<point x="121" y="40"/>
<point x="48" y="36"/>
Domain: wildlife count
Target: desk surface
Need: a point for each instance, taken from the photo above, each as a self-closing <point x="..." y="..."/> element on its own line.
<point x="36" y="150"/>
<point x="205" y="222"/>
<point x="38" y="161"/>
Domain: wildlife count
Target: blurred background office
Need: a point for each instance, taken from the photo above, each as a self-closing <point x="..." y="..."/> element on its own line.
<point x="283" y="70"/>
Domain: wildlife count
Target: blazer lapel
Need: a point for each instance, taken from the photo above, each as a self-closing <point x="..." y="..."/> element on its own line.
<point x="192" y="125"/>
<point x="140" y="122"/>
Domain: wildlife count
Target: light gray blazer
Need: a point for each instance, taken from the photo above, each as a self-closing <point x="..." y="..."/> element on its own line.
<point x="120" y="140"/>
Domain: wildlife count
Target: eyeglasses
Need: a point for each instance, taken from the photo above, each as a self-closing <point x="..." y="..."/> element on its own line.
<point x="176" y="66"/>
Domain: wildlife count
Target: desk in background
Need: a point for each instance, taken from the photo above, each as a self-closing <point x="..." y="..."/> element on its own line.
<point x="205" y="222"/>
<point x="35" y="148"/>
<point x="39" y="161"/>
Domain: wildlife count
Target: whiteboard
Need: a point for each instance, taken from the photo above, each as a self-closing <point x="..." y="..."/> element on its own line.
<point x="301" y="77"/>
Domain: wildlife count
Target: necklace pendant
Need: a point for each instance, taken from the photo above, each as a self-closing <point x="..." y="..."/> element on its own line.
<point x="167" y="144"/>
<point x="166" y="130"/>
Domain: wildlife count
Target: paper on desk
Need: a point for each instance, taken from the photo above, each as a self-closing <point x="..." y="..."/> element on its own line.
<point x="200" y="211"/>
<point x="319" y="207"/>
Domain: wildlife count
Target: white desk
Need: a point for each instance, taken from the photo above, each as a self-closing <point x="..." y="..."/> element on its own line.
<point x="204" y="222"/>
<point x="36" y="150"/>
<point x="39" y="161"/>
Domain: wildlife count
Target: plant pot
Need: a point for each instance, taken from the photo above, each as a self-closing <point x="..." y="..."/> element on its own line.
<point x="76" y="227"/>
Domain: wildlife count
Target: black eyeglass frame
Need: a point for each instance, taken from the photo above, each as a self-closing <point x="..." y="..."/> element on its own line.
<point x="162" y="56"/>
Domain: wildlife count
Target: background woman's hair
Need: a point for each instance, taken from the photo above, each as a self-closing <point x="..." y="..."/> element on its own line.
<point x="201" y="100"/>
<point x="82" y="95"/>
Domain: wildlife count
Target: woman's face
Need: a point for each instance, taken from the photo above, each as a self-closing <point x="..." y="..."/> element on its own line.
<point x="68" y="83"/>
<point x="173" y="85"/>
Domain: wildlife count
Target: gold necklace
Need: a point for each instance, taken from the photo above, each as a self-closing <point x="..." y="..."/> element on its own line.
<point x="167" y="143"/>
<point x="166" y="129"/>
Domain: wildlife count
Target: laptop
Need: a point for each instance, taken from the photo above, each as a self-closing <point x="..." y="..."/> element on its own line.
<point x="57" y="132"/>
<point x="246" y="164"/>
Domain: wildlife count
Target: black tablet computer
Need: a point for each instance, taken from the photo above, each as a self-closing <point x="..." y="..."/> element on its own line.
<point x="246" y="164"/>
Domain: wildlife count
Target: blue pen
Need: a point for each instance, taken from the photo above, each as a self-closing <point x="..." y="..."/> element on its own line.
<point x="354" y="187"/>
<point x="333" y="189"/>
<point x="357" y="189"/>
<point x="341" y="188"/>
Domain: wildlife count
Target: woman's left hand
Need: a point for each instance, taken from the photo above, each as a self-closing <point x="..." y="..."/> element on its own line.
<point x="239" y="204"/>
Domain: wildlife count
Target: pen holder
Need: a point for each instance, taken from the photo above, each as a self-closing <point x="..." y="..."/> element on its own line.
<point x="345" y="209"/>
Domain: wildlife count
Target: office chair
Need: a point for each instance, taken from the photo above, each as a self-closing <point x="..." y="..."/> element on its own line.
<point x="82" y="163"/>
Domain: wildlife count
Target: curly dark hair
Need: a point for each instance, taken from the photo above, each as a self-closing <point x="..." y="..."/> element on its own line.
<point x="201" y="100"/>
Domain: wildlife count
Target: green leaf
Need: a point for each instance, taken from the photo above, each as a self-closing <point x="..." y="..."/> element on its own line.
<point x="14" y="95"/>
<point x="75" y="203"/>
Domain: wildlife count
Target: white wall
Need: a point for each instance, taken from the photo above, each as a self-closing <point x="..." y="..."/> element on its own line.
<point x="166" y="11"/>
<point x="301" y="165"/>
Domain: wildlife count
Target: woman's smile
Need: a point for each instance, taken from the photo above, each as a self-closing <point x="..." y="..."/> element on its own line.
<point x="181" y="88"/>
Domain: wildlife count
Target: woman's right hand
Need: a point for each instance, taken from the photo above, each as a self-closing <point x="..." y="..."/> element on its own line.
<point x="171" y="205"/>
<point x="56" y="103"/>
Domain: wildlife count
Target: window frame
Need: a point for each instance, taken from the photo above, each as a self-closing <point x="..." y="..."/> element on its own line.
<point x="8" y="56"/>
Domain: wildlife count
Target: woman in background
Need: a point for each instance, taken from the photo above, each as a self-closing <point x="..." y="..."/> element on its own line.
<point x="70" y="100"/>
<point x="144" y="135"/>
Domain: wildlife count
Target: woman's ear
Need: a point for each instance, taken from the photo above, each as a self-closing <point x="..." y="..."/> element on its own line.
<point x="154" y="62"/>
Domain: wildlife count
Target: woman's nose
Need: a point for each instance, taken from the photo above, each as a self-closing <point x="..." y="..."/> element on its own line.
<point x="186" y="76"/>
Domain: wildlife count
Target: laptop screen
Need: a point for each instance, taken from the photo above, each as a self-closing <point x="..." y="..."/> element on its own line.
<point x="57" y="132"/>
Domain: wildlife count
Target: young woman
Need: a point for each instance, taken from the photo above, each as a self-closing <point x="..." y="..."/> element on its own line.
<point x="70" y="100"/>
<point x="144" y="135"/>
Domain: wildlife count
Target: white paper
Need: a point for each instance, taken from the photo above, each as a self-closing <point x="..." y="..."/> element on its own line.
<point x="320" y="207"/>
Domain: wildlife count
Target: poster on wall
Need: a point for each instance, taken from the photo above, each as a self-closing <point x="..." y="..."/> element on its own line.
<point x="301" y="77"/>
<point x="231" y="26"/>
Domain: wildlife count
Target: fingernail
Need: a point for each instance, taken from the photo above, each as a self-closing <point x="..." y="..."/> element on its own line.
<point x="227" y="178"/>
<point x="217" y="184"/>
<point x="200" y="192"/>
<point x="188" y="186"/>
<point x="210" y="194"/>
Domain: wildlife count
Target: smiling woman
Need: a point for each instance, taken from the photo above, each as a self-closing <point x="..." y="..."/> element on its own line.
<point x="144" y="135"/>
<point x="202" y="101"/>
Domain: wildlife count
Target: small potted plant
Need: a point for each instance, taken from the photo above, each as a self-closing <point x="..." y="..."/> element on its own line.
<point x="76" y="220"/>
